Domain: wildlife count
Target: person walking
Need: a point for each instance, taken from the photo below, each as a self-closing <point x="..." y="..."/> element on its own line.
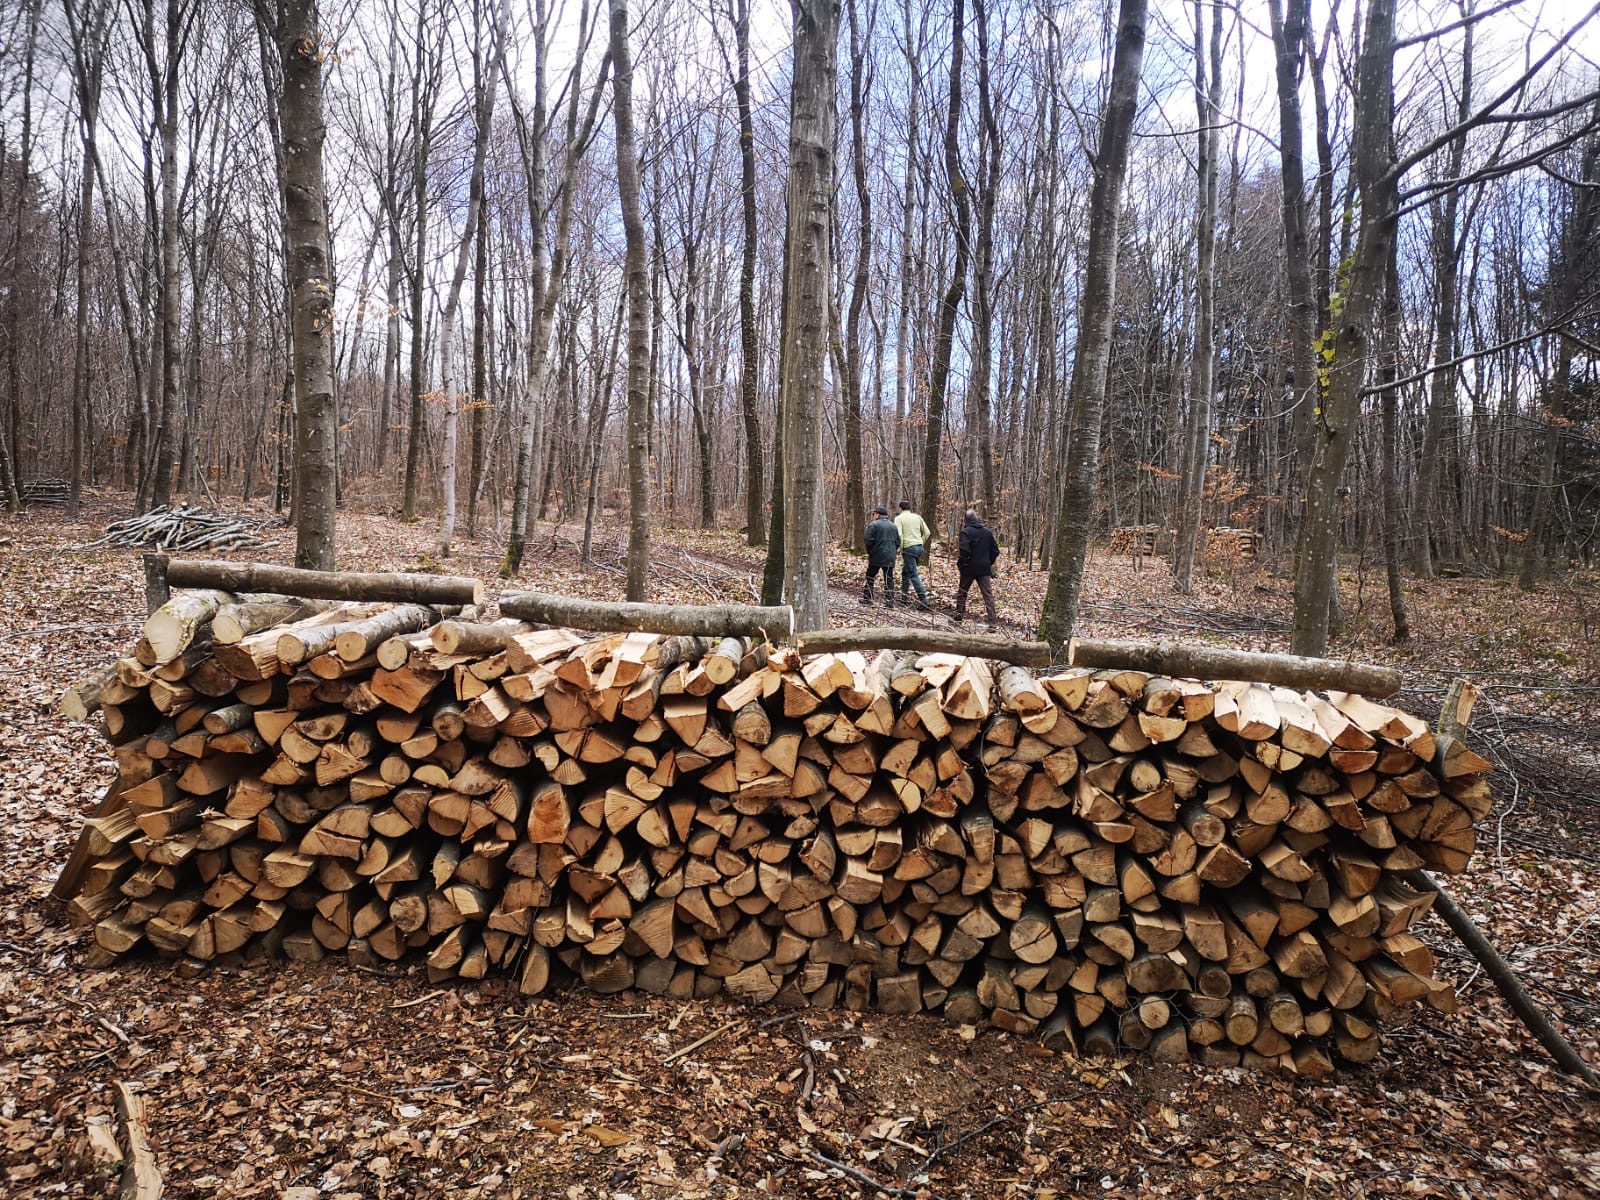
<point x="883" y="542"/>
<point x="914" y="534"/>
<point x="975" y="562"/>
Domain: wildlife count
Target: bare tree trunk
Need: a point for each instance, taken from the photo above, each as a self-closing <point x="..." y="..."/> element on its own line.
<point x="860" y="84"/>
<point x="391" y="346"/>
<point x="486" y="77"/>
<point x="637" y="273"/>
<point x="1092" y="359"/>
<point x="424" y="93"/>
<point x="159" y="490"/>
<point x="1347" y="369"/>
<point x="296" y="32"/>
<point x="755" y="533"/>
<point x="978" y="389"/>
<point x="1208" y="114"/>
<point x="904" y="365"/>
<point x="1391" y="451"/>
<point x="1446" y="269"/>
<point x="1575" y="242"/>
<point x="1288" y="39"/>
<point x="546" y="280"/>
<point x="89" y="27"/>
<point x="950" y="303"/>
<point x="807" y="288"/>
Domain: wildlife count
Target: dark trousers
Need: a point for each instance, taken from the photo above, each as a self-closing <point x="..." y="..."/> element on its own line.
<point x="888" y="580"/>
<point x="910" y="576"/>
<point x="985" y="585"/>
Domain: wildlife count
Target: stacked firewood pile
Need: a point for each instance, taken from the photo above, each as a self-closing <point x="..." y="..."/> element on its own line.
<point x="1137" y="539"/>
<point x="1110" y="859"/>
<point x="1238" y="546"/>
<point x="49" y="492"/>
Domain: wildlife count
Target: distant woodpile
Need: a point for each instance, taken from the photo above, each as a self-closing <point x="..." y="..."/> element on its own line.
<point x="1110" y="860"/>
<point x="1223" y="546"/>
<point x="1142" y="540"/>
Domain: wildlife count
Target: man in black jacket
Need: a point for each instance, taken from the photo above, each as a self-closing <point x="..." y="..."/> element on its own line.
<point x="975" y="562"/>
<point x="883" y="543"/>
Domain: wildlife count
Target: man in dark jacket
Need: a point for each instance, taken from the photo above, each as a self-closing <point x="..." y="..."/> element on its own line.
<point x="883" y="543"/>
<point x="975" y="562"/>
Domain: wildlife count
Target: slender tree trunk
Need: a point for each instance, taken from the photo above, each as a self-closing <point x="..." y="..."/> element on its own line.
<point x="1208" y="112"/>
<point x="807" y="295"/>
<point x="983" y="256"/>
<point x="480" y="388"/>
<point x="161" y="461"/>
<point x="423" y="92"/>
<point x="904" y="366"/>
<point x="1446" y="273"/>
<point x="1575" y="243"/>
<point x="1091" y="362"/>
<point x="637" y="274"/>
<point x="88" y="31"/>
<point x="860" y="84"/>
<point x="391" y="346"/>
<point x="486" y="77"/>
<point x="299" y="38"/>
<point x="749" y="362"/>
<point x="950" y="303"/>
<point x="1390" y="451"/>
<point x="1351" y="341"/>
<point x="1288" y="39"/>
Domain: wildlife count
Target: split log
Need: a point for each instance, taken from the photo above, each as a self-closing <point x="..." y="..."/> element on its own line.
<point x="171" y="628"/>
<point x="141" y="1178"/>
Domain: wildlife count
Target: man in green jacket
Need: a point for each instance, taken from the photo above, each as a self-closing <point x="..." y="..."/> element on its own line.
<point x="914" y="534"/>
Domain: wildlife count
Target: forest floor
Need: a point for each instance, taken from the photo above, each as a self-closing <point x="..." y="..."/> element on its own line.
<point x="326" y="1081"/>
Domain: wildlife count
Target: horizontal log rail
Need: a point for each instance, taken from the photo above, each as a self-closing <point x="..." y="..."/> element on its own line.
<point x="403" y="587"/>
<point x="926" y="641"/>
<point x="1192" y="661"/>
<point x="774" y="623"/>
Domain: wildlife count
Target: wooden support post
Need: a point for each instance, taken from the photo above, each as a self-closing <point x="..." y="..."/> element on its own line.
<point x="156" y="590"/>
<point x="1505" y="979"/>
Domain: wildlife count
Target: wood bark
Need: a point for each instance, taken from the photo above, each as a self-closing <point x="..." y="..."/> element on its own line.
<point x="807" y="290"/>
<point x="324" y="585"/>
<point x="1091" y="361"/>
<point x="636" y="272"/>
<point x="1202" y="378"/>
<point x="701" y="620"/>
<point x="749" y="362"/>
<point x="1346" y="372"/>
<point x="955" y="293"/>
<point x="1198" y="661"/>
<point x="299" y="38"/>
